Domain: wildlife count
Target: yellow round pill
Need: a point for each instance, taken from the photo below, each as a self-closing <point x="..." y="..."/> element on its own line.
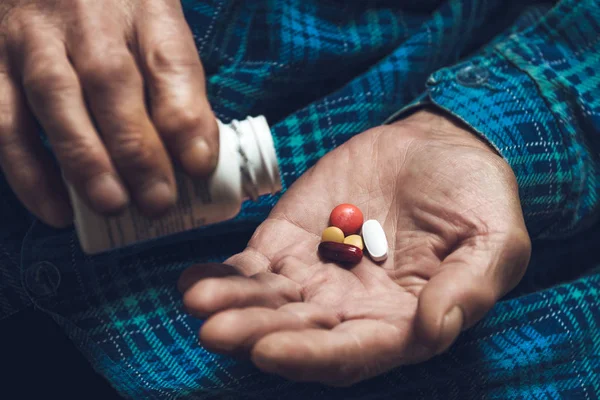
<point x="332" y="234"/>
<point x="354" y="240"/>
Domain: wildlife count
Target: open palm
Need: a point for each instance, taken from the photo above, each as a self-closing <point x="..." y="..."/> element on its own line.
<point x="450" y="209"/>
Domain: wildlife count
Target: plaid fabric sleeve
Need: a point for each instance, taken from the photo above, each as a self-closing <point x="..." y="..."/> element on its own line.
<point x="535" y="97"/>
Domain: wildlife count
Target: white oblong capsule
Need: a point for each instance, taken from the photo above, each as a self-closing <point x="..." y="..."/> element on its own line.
<point x="375" y="241"/>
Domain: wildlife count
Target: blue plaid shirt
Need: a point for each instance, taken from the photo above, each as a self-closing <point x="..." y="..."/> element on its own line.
<point x="524" y="74"/>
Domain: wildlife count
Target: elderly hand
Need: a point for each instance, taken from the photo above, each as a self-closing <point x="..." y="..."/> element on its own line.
<point x="119" y="89"/>
<point x="450" y="208"/>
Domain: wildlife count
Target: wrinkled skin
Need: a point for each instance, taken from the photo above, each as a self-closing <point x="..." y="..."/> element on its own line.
<point x="119" y="89"/>
<point x="450" y="209"/>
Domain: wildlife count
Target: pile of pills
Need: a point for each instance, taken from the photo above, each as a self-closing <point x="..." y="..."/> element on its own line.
<point x="342" y="241"/>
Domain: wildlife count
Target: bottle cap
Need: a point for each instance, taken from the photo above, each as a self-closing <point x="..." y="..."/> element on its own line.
<point x="259" y="160"/>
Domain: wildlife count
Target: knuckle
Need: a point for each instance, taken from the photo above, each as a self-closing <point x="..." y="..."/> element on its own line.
<point x="99" y="70"/>
<point x="175" y="120"/>
<point x="46" y="75"/>
<point x="79" y="159"/>
<point x="131" y="150"/>
<point x="169" y="56"/>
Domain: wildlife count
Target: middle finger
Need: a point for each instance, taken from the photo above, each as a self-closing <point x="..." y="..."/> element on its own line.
<point x="114" y="90"/>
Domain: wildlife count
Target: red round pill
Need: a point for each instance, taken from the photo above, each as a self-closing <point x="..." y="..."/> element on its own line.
<point x="347" y="217"/>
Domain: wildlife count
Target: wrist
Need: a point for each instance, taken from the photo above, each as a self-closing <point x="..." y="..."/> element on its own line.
<point x="440" y="125"/>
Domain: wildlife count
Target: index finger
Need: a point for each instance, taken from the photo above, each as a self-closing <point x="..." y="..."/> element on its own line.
<point x="175" y="78"/>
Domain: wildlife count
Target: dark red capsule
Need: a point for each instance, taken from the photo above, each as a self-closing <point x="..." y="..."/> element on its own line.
<point x="340" y="252"/>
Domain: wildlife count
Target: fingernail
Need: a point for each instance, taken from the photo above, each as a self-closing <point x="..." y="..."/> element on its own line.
<point x="198" y="159"/>
<point x="451" y="327"/>
<point x="106" y="194"/>
<point x="157" y="198"/>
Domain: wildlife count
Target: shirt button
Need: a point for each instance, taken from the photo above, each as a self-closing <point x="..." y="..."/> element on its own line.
<point x="472" y="75"/>
<point x="42" y="278"/>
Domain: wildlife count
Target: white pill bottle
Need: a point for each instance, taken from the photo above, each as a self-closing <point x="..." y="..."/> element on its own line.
<point x="247" y="168"/>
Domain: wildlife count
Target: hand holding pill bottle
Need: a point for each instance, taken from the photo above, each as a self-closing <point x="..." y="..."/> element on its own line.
<point x="247" y="168"/>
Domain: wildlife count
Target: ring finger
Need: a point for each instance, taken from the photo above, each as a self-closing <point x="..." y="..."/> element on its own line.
<point x="54" y="95"/>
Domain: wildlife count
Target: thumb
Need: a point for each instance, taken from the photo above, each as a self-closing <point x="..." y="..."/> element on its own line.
<point x="471" y="280"/>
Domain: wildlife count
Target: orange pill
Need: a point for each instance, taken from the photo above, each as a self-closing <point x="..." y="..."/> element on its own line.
<point x="354" y="240"/>
<point x="332" y="234"/>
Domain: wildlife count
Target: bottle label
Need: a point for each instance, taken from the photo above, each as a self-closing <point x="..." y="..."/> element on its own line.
<point x="247" y="166"/>
<point x="131" y="226"/>
<point x="195" y="207"/>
